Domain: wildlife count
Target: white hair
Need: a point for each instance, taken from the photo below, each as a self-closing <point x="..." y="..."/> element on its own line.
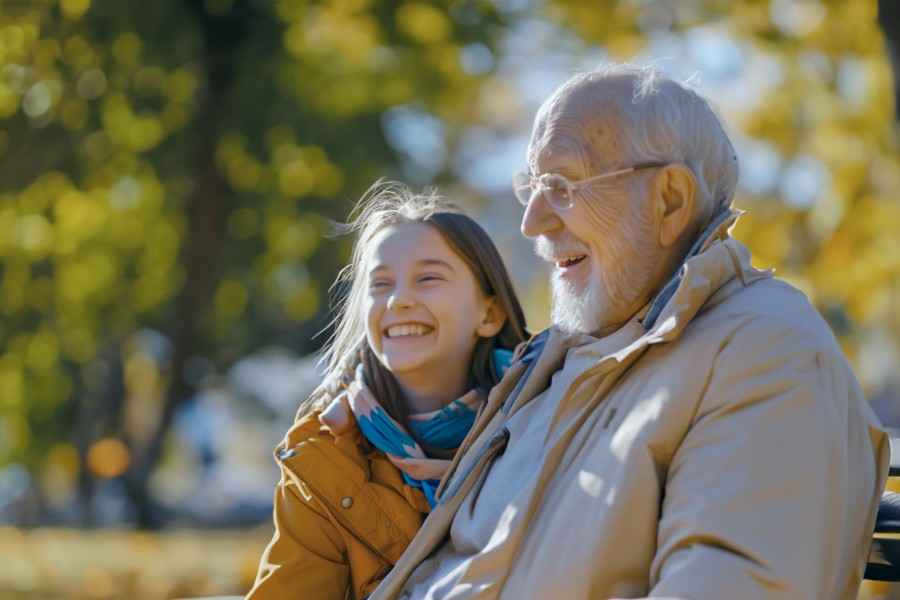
<point x="663" y="121"/>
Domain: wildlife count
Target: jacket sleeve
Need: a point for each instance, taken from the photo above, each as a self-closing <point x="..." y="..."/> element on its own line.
<point x="306" y="557"/>
<point x="774" y="487"/>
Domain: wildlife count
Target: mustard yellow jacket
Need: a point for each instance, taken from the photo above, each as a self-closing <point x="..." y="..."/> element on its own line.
<point x="343" y="515"/>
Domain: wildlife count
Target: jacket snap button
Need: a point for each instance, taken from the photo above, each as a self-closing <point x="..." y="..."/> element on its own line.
<point x="346" y="501"/>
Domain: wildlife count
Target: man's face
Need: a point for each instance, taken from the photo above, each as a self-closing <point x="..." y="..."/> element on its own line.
<point x="602" y="248"/>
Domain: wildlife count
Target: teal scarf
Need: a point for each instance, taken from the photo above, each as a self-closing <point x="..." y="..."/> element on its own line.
<point x="444" y="428"/>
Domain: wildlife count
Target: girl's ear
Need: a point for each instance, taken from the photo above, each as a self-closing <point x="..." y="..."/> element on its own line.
<point x="493" y="320"/>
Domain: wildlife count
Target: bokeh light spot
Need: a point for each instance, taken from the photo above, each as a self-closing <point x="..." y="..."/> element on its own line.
<point x="74" y="9"/>
<point x="423" y="23"/>
<point x="108" y="458"/>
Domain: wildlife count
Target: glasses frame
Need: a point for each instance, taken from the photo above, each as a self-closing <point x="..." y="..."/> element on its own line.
<point x="538" y="183"/>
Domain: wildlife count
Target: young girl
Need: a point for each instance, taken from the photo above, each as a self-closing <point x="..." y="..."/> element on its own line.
<point x="427" y="328"/>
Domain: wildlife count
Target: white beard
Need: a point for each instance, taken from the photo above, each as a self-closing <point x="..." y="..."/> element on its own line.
<point x="575" y="311"/>
<point x="590" y="309"/>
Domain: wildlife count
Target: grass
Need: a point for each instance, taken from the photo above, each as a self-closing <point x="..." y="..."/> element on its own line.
<point x="52" y="564"/>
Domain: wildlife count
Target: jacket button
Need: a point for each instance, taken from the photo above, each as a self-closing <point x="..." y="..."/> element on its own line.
<point x="346" y="501"/>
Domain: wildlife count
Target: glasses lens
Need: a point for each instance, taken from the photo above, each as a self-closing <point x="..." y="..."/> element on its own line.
<point x="556" y="191"/>
<point x="522" y="188"/>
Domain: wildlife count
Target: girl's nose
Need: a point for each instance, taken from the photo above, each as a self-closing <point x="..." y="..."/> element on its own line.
<point x="399" y="300"/>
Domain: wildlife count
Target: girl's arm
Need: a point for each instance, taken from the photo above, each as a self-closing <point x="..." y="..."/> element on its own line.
<point x="306" y="557"/>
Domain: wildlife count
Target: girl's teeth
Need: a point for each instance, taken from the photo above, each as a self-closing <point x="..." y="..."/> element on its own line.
<point x="407" y="330"/>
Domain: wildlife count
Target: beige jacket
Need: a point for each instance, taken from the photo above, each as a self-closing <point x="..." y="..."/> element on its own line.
<point x="725" y="453"/>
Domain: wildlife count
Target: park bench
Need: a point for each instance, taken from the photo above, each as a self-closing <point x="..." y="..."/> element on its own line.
<point x="884" y="555"/>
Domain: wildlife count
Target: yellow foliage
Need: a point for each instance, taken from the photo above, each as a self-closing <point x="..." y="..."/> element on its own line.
<point x="12" y="383"/>
<point x="231" y="299"/>
<point x="423" y="23"/>
<point x="35" y="235"/>
<point x="126" y="49"/>
<point x="13" y="42"/>
<point x="347" y="42"/>
<point x="291" y="10"/>
<point x="74" y="114"/>
<point x="304" y="303"/>
<point x="289" y="237"/>
<point x="16" y="276"/>
<point x="46" y="53"/>
<point x="9" y="101"/>
<point x="79" y="53"/>
<point x="43" y="351"/>
<point x="59" y="473"/>
<point x="242" y="170"/>
<point x="181" y="85"/>
<point x="74" y="9"/>
<point x="79" y="343"/>
<point x="40" y="294"/>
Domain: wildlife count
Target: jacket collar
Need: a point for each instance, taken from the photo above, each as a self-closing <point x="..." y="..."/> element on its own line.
<point x="718" y="228"/>
<point x="715" y="260"/>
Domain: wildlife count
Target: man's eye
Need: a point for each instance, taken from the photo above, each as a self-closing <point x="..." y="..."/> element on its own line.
<point x="379" y="284"/>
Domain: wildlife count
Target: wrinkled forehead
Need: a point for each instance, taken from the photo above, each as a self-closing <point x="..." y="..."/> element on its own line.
<point x="581" y="123"/>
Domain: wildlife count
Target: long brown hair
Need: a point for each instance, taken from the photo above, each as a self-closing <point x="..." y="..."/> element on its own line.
<point x="389" y="203"/>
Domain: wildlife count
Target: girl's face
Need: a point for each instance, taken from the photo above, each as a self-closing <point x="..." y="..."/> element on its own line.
<point x="424" y="308"/>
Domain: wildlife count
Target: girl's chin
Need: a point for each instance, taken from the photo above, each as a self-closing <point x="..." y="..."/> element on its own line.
<point x="405" y="364"/>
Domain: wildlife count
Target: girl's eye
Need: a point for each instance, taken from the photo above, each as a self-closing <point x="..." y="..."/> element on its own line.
<point x="379" y="284"/>
<point x="427" y="278"/>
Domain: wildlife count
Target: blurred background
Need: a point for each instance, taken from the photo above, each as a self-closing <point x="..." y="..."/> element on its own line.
<point x="169" y="171"/>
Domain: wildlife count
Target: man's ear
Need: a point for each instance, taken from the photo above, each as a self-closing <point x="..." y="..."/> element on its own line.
<point x="675" y="193"/>
<point x="493" y="320"/>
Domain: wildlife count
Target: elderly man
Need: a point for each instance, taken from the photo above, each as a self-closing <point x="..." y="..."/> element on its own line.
<point x="688" y="428"/>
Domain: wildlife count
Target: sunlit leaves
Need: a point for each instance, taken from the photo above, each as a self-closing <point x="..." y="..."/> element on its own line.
<point x="302" y="170"/>
<point x="242" y="170"/>
<point x="126" y="128"/>
<point x="74" y="9"/>
<point x="423" y="23"/>
<point x="230" y="299"/>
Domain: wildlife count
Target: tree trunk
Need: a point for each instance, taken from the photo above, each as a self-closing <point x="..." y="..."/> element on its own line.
<point x="203" y="242"/>
<point x="889" y="19"/>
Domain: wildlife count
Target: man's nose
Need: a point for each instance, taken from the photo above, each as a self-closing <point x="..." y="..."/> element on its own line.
<point x="539" y="217"/>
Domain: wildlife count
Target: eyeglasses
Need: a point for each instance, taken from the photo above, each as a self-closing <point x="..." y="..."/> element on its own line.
<point x="557" y="190"/>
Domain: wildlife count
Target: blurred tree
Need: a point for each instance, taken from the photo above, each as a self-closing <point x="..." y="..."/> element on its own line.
<point x="171" y="167"/>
